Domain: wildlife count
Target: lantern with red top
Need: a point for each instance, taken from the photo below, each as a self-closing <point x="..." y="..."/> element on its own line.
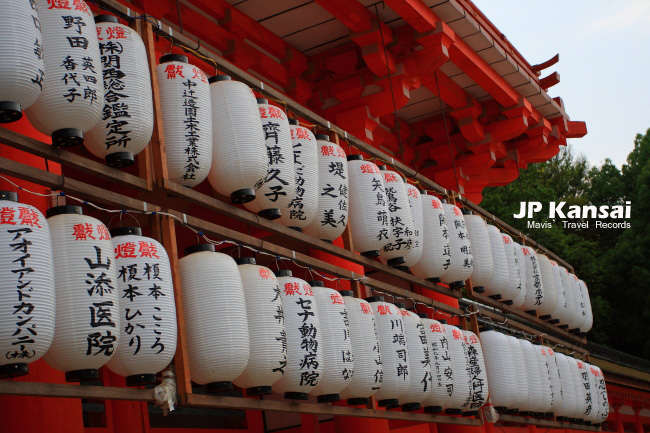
<point x="461" y="263"/>
<point x="400" y="238"/>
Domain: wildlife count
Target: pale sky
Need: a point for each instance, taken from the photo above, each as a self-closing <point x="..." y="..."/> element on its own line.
<point x="604" y="63"/>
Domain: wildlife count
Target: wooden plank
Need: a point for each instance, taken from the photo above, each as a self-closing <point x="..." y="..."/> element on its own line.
<point x="544" y="423"/>
<point x="33" y="389"/>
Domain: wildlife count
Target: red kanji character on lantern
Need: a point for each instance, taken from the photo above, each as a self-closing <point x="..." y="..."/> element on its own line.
<point x="403" y="312"/>
<point x="340" y="152"/>
<point x="275" y="113"/>
<point x="58" y="4"/>
<point x="383" y="310"/>
<point x="173" y="71"/>
<point x="307" y="290"/>
<point x="413" y="193"/>
<point x="116" y="33"/>
<point x="473" y="339"/>
<point x="103" y="232"/>
<point x="82" y="232"/>
<point x="148" y="249"/>
<point x="390" y="177"/>
<point x="7" y="215"/>
<point x="457" y="211"/>
<point x="436" y="327"/>
<point x="125" y="250"/>
<point x="99" y="33"/>
<point x="199" y="74"/>
<point x="525" y="251"/>
<point x="327" y="151"/>
<point x="265" y="274"/>
<point x="543" y="352"/>
<point x="365" y="308"/>
<point x="336" y="298"/>
<point x="456" y="334"/>
<point x="506" y="240"/>
<point x="80" y="5"/>
<point x="550" y="351"/>
<point x="300" y="134"/>
<point x="291" y="289"/>
<point x="436" y="204"/>
<point x="263" y="113"/>
<point x="580" y="365"/>
<point x="367" y="168"/>
<point x="28" y="217"/>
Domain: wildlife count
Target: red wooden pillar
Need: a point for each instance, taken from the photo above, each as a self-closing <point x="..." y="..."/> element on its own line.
<point x="638" y="425"/>
<point x="619" y="420"/>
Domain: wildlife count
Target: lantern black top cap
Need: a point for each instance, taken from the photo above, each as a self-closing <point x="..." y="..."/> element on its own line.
<point x="262" y="101"/>
<point x="423" y="315"/>
<point x="9" y="195"/>
<point x="316" y="283"/>
<point x="294" y="122"/>
<point x="375" y="299"/>
<point x="382" y="167"/>
<point x="124" y="231"/>
<point x="443" y="321"/>
<point x="467" y="211"/>
<point x="283" y="273"/>
<point x="199" y="248"/>
<point x="423" y="191"/>
<point x="322" y="137"/>
<point x="106" y="19"/>
<point x="246" y="261"/>
<point x="174" y="58"/>
<point x="443" y="200"/>
<point x="355" y="157"/>
<point x="401" y="305"/>
<point x="216" y="78"/>
<point x="64" y="210"/>
<point x="346" y="293"/>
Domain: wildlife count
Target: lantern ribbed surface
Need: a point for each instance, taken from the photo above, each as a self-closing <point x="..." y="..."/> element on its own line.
<point x="333" y="198"/>
<point x="239" y="157"/>
<point x="568" y="407"/>
<point x="442" y="385"/>
<point x="582" y="385"/>
<point x="147" y="309"/>
<point x="481" y="251"/>
<point x="436" y="251"/>
<point x="601" y="390"/>
<point x="561" y="307"/>
<point x="500" y="282"/>
<point x="279" y="187"/>
<point x="579" y="305"/>
<point x="415" y="203"/>
<point x="215" y="317"/>
<point x="419" y="359"/>
<point x="548" y="282"/>
<point x="394" y="351"/>
<point x="187" y="121"/>
<point x="555" y="379"/>
<point x="400" y="238"/>
<point x="459" y="364"/>
<point x="569" y="298"/>
<point x="462" y="263"/>
<point x="500" y="362"/>
<point x="521" y="263"/>
<point x="73" y="86"/>
<point x="594" y="414"/>
<point x="338" y="359"/>
<point x="267" y="335"/>
<point x="535" y="393"/>
<point x="126" y="124"/>
<point x="534" y="287"/>
<point x="88" y="319"/>
<point x="589" y="315"/>
<point x="27" y="295"/>
<point x="21" y="56"/>
<point x="301" y="211"/>
<point x="304" y="339"/>
<point x="477" y="373"/>
<point x="513" y="286"/>
<point x="368" y="371"/>
<point x="520" y="374"/>
<point x="369" y="217"/>
<point x="545" y="377"/>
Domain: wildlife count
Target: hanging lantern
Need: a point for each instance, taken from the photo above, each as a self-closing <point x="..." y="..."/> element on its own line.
<point x="394" y="352"/>
<point x="72" y="99"/>
<point x="477" y="375"/>
<point x="442" y="385"/>
<point x="549" y="304"/>
<point x="369" y="217"/>
<point x="419" y="361"/>
<point x="500" y="364"/>
<point x="126" y="125"/>
<point x="21" y="54"/>
<point x="459" y="364"/>
<point x="87" y="328"/>
<point x="569" y="299"/>
<point x="479" y="238"/>
<point x="267" y="335"/>
<point x="546" y="407"/>
<point x="26" y="286"/>
<point x="368" y="371"/>
<point x="302" y="209"/>
<point x="580" y="310"/>
<point x="498" y="287"/>
<point x="436" y="251"/>
<point x="215" y="317"/>
<point x="593" y="416"/>
<point x="400" y="237"/>
<point x="304" y="338"/>
<point x="147" y="310"/>
<point x="568" y="407"/>
<point x="560" y="309"/>
<point x="338" y="360"/>
<point x="461" y="265"/>
<point x="520" y="374"/>
<point x="534" y="379"/>
<point x="589" y="315"/>
<point x="601" y="391"/>
<point x="332" y="215"/>
<point x="239" y="155"/>
<point x="555" y="379"/>
<point x="518" y="302"/>
<point x="534" y="287"/>
<point x="279" y="188"/>
<point x="582" y="384"/>
<point x="415" y="203"/>
<point x="513" y="285"/>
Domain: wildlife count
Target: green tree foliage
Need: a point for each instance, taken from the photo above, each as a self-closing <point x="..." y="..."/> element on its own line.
<point x="613" y="262"/>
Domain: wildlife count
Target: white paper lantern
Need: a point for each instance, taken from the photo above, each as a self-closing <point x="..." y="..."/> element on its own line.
<point x="305" y="351"/>
<point x="477" y="374"/>
<point x="593" y="416"/>
<point x="567" y="319"/>
<point x="520" y="375"/>
<point x="21" y="54"/>
<point x="601" y="390"/>
<point x="239" y="156"/>
<point x="549" y="304"/>
<point x="589" y="315"/>
<point x="546" y="406"/>
<point x="534" y="379"/>
<point x="568" y="407"/>
<point x="534" y="287"/>
<point x="579" y="304"/>
<point x="460" y="365"/>
<point x="513" y="285"/>
<point x="279" y="187"/>
<point x="518" y="302"/>
<point x="332" y="216"/>
<point x="368" y="371"/>
<point x="561" y="307"/>
<point x="215" y="317"/>
<point x="479" y="238"/>
<point x="555" y="379"/>
<point x="462" y="262"/>
<point x="187" y="119"/>
<point x="394" y="352"/>
<point x="442" y="385"/>
<point x="400" y="238"/>
<point x="267" y="334"/>
<point x="415" y="203"/>
<point x="338" y="359"/>
<point x="72" y="99"/>
<point x="500" y="365"/>
<point x="126" y="125"/>
<point x="369" y="217"/>
<point x="499" y="285"/>
<point x="419" y="361"/>
<point x="87" y="329"/>
<point x="26" y="286"/>
<point x="147" y="309"/>
<point x="582" y="384"/>
<point x="301" y="211"/>
<point x="436" y="251"/>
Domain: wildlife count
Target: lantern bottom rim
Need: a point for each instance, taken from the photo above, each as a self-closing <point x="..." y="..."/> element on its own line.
<point x="513" y="411"/>
<point x="120" y="159"/>
<point x="526" y="413"/>
<point x="435" y="281"/>
<point x="554" y="321"/>
<point x="433" y="409"/>
<point x="396" y="261"/>
<point x="298" y="229"/>
<point x="545" y="317"/>
<point x="140" y="379"/>
<point x="81" y="375"/>
<point x="509" y="302"/>
<point x="217" y="387"/>
<point x="9" y="371"/>
<point x="328" y="398"/>
<point x="563" y="326"/>
<point x="257" y="391"/>
<point x="296" y="396"/>
<point x="388" y="403"/>
<point x="326" y="240"/>
<point x="501" y="409"/>
<point x="358" y="401"/>
<point x="495" y="297"/>
<point x="471" y="413"/>
<point x="531" y="312"/>
<point x="457" y="285"/>
<point x="478" y="289"/>
<point x="403" y="269"/>
<point x="270" y="214"/>
<point x="453" y="411"/>
<point x="243" y="195"/>
<point x="411" y="407"/>
<point x="370" y="254"/>
<point x="10" y="111"/>
<point x="67" y="137"/>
